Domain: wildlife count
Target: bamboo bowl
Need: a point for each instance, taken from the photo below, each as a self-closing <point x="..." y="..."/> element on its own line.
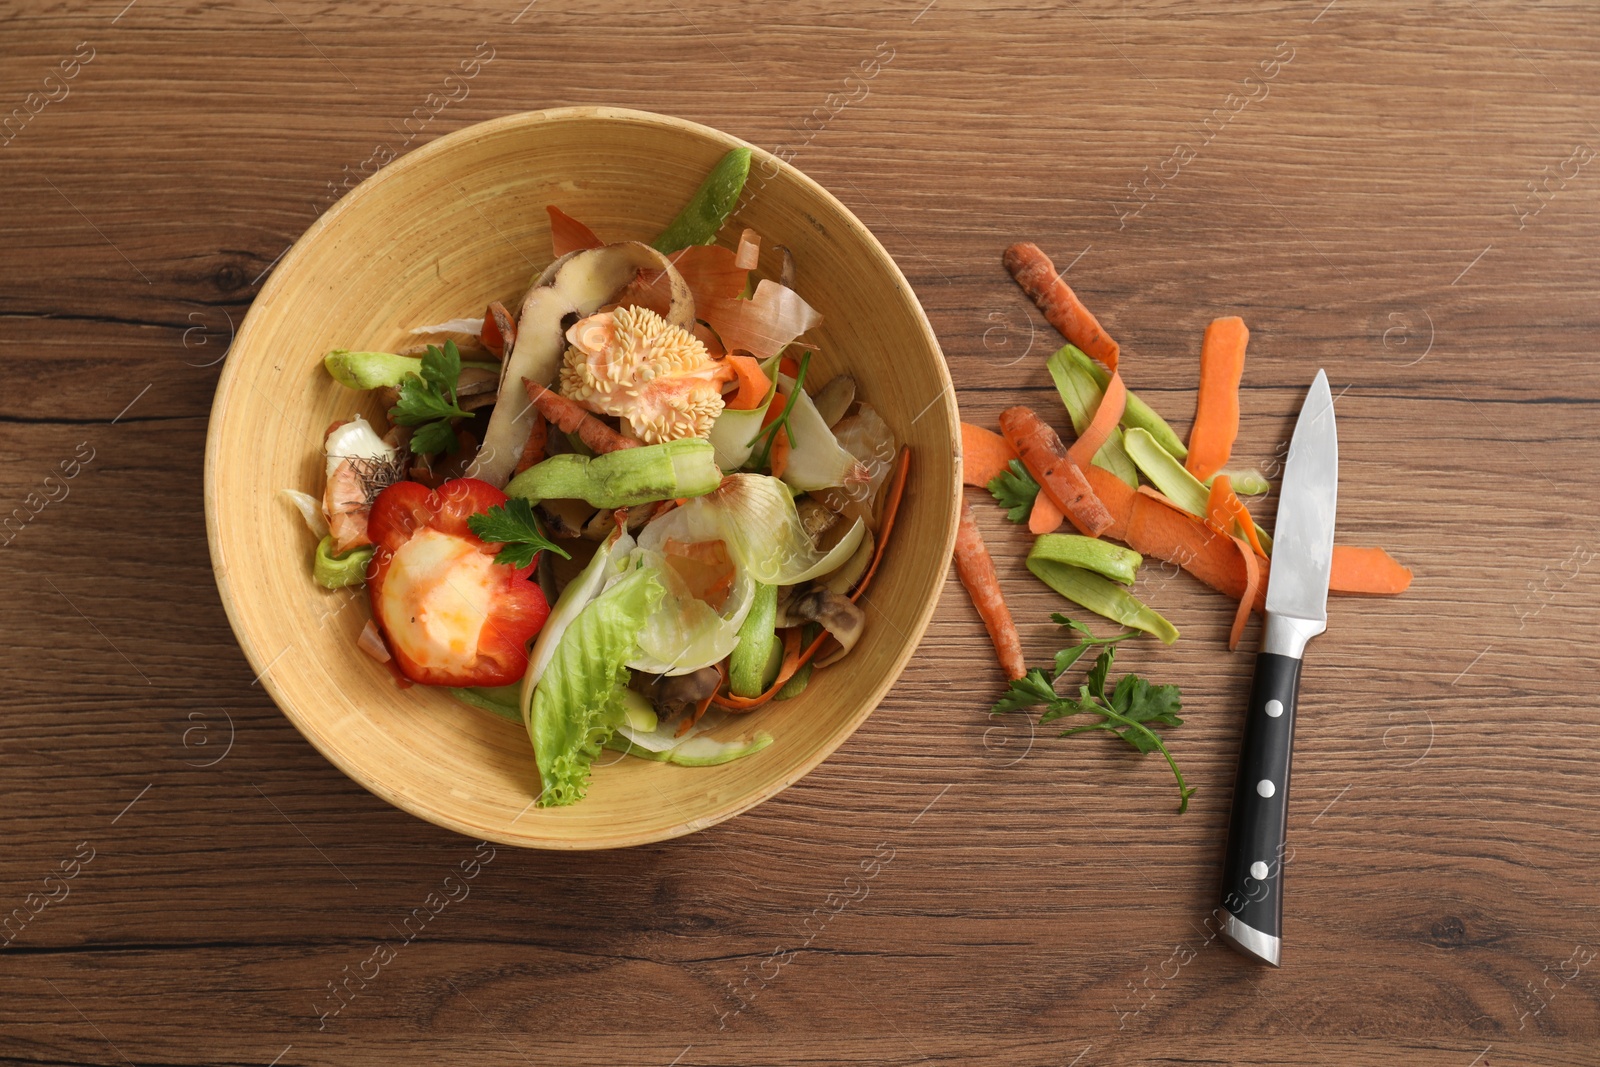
<point x="437" y="234"/>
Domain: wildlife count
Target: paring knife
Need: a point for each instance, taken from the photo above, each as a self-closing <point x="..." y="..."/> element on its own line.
<point x="1297" y="611"/>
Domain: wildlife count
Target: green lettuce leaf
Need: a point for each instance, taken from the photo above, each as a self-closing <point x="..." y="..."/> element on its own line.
<point x="577" y="704"/>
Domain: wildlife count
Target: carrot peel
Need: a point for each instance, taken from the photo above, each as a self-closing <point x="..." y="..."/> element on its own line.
<point x="984" y="455"/>
<point x="1100" y="428"/>
<point x="1045" y="516"/>
<point x="1247" y="602"/>
<point x="1216" y="416"/>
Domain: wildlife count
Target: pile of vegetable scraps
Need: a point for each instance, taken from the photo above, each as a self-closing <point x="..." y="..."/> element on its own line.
<point x="1127" y="477"/>
<point x="650" y="416"/>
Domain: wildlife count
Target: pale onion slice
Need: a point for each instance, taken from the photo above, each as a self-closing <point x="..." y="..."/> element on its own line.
<point x="685" y="633"/>
<point x="355" y="439"/>
<point x="774" y="316"/>
<point x="732" y="432"/>
<point x="868" y="438"/>
<point x="310" y="509"/>
<point x="755" y="516"/>
<point x="749" y="254"/>
<point x="579" y="283"/>
<point x="371" y="642"/>
<point x="468" y="326"/>
<point x="816" y="459"/>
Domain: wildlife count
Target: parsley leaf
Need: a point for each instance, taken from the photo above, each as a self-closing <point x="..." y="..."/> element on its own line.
<point x="1133" y="710"/>
<point x="1015" y="490"/>
<point x="514" y="526"/>
<point x="428" y="401"/>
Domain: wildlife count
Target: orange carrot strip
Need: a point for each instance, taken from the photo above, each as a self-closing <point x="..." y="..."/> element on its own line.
<point x="572" y="417"/>
<point x="1117" y="496"/>
<point x="753" y="385"/>
<point x="1216" y="413"/>
<point x="778" y="458"/>
<point x="984" y="455"/>
<point x="1045" y="516"/>
<point x="1157" y="527"/>
<point x="538" y="438"/>
<point x="1046" y="458"/>
<point x="567" y="234"/>
<point x="1252" y="582"/>
<point x="1367" y="570"/>
<point x="891" y="508"/>
<point x="975" y="568"/>
<point x="1037" y="275"/>
<point x="1226" y="512"/>
<point x="1105" y="420"/>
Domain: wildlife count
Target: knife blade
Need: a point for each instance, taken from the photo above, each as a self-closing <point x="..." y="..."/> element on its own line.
<point x="1297" y="611"/>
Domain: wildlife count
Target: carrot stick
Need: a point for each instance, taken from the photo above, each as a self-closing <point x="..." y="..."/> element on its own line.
<point x="1046" y="458"/>
<point x="1252" y="582"/>
<point x="538" y="438"/>
<point x="1045" y="516"/>
<point x="984" y="455"/>
<point x="567" y="234"/>
<point x="572" y="417"/>
<point x="1367" y="570"/>
<point x="1037" y="275"/>
<point x="1216" y="414"/>
<point x="975" y="568"/>
<point x="891" y="508"/>
<point x="753" y="385"/>
<point x="1105" y="420"/>
<point x="1225" y="511"/>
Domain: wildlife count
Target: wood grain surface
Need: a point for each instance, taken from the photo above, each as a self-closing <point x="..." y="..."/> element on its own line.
<point x="1406" y="198"/>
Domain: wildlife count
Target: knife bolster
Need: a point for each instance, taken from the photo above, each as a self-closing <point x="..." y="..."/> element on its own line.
<point x="1285" y="635"/>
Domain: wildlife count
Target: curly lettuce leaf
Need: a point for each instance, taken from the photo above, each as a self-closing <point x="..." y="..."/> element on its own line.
<point x="577" y="704"/>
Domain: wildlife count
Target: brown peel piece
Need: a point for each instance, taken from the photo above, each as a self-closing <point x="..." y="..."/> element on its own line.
<point x="576" y="285"/>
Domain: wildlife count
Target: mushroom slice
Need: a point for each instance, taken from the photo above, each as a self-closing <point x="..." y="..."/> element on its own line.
<point x="845" y="578"/>
<point x="672" y="693"/>
<point x="565" y="518"/>
<point x="835" y="398"/>
<point x="839" y="615"/>
<point x="815" y="517"/>
<point x="574" y="286"/>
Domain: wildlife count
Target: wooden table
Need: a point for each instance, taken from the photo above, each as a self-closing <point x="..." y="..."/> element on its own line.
<point x="1403" y="198"/>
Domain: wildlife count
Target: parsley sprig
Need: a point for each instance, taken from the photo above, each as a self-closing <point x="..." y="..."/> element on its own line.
<point x="428" y="401"/>
<point x="515" y="527"/>
<point x="761" y="455"/>
<point x="1014" y="489"/>
<point x="1132" y="710"/>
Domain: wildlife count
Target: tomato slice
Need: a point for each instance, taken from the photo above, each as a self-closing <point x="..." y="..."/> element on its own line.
<point x="450" y="613"/>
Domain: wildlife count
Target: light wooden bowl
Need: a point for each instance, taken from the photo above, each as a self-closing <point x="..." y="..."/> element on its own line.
<point x="436" y="235"/>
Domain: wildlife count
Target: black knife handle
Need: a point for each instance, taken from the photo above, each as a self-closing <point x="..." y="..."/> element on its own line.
<point x="1252" y="872"/>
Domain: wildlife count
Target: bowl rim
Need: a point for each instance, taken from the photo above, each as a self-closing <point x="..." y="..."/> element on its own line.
<point x="440" y="816"/>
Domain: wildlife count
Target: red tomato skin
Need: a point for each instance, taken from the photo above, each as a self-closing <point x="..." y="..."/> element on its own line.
<point x="517" y="612"/>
